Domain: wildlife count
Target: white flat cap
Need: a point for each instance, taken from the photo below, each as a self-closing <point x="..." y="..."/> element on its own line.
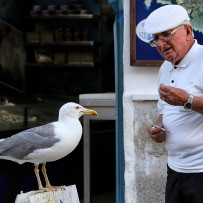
<point x="165" y="18"/>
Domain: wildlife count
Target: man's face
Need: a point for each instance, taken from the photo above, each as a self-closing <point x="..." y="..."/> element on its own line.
<point x="176" y="47"/>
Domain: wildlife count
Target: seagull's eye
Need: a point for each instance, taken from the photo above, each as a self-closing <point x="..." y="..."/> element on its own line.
<point x="77" y="107"/>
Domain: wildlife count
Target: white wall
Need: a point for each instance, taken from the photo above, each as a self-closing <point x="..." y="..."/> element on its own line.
<point x="145" y="161"/>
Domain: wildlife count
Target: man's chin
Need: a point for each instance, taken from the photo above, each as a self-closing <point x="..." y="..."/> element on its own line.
<point x="173" y="61"/>
<point x="170" y="58"/>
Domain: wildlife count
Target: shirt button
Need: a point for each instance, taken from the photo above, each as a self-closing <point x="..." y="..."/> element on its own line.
<point x="172" y="81"/>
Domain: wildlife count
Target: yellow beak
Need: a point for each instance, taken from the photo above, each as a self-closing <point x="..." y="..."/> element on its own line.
<point x="90" y="112"/>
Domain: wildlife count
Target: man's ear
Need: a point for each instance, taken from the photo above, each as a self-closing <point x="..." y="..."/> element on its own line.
<point x="189" y="30"/>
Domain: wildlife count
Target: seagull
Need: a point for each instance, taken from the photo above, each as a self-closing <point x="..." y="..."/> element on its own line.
<point x="46" y="143"/>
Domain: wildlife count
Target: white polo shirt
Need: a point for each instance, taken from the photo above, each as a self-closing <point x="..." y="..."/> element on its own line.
<point x="184" y="143"/>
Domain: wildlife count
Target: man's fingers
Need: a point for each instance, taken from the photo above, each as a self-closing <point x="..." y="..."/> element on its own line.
<point x="164" y="88"/>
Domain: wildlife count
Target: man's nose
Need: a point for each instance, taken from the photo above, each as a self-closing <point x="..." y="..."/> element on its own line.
<point x="161" y="42"/>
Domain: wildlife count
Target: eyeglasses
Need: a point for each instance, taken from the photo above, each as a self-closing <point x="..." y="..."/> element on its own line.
<point x="166" y="36"/>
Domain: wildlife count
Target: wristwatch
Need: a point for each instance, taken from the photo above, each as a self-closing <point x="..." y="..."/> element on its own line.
<point x="188" y="103"/>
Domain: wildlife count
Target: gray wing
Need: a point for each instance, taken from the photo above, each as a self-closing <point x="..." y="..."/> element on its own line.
<point x="21" y="144"/>
<point x="44" y="130"/>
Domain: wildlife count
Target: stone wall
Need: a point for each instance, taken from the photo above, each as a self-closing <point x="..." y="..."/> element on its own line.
<point x="145" y="160"/>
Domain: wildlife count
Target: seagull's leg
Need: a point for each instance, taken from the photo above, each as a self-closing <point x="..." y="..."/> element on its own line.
<point x="48" y="185"/>
<point x="38" y="178"/>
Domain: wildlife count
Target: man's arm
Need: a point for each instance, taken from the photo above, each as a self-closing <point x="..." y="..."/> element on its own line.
<point x="197" y="104"/>
<point x="178" y="97"/>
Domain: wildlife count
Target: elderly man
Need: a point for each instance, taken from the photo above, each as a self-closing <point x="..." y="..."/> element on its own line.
<point x="180" y="102"/>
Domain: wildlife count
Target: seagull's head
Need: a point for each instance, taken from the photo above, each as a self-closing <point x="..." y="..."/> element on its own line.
<point x="73" y="110"/>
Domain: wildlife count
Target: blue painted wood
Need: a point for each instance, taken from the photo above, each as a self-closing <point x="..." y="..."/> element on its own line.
<point x="118" y="46"/>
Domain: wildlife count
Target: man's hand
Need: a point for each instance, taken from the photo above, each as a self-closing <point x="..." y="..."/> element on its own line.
<point x="156" y="134"/>
<point x="172" y="95"/>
